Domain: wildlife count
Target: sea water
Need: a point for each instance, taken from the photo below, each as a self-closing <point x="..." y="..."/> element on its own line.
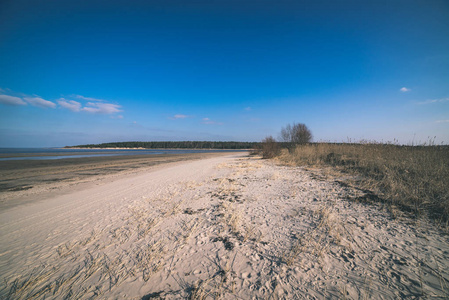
<point x="61" y="153"/>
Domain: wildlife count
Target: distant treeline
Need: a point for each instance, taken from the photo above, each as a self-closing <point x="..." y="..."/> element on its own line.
<point x="175" y="145"/>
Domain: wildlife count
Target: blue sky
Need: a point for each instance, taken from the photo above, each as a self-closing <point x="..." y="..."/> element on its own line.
<point x="76" y="72"/>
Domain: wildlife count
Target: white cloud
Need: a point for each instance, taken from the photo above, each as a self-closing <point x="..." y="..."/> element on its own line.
<point x="430" y="101"/>
<point x="39" y="102"/>
<point x="94" y="106"/>
<point x="10" y="100"/>
<point x="87" y="98"/>
<point x="248" y="108"/>
<point x="442" y="121"/>
<point x="101" y="108"/>
<point x="70" y="104"/>
<point x="178" y="116"/>
<point x="210" y="122"/>
<point x="404" y="89"/>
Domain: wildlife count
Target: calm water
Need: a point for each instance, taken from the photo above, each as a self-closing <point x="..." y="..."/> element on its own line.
<point x="57" y="153"/>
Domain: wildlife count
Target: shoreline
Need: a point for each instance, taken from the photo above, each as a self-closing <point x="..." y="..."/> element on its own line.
<point x="230" y="226"/>
<point x="27" y="181"/>
<point x="103" y="151"/>
<point x="118" y="148"/>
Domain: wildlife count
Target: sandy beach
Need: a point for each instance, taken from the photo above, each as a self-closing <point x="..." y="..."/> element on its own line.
<point x="24" y="181"/>
<point x="211" y="226"/>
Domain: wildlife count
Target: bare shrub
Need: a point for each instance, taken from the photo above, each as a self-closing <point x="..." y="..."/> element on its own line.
<point x="270" y="147"/>
<point x="296" y="134"/>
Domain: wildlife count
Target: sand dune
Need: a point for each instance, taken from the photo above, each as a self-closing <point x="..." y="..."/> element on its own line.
<point x="232" y="227"/>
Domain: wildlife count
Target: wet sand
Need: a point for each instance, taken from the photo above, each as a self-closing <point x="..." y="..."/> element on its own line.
<point x="25" y="181"/>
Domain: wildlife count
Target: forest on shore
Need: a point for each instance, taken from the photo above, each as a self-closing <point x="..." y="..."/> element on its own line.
<point x="174" y="145"/>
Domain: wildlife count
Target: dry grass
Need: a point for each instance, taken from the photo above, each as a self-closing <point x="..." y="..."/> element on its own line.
<point x="251" y="233"/>
<point x="221" y="284"/>
<point x="231" y="217"/>
<point x="412" y="177"/>
<point x="327" y="230"/>
<point x="188" y="228"/>
<point x="97" y="262"/>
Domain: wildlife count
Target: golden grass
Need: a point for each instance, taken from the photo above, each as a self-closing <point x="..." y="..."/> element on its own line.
<point x="412" y="177"/>
<point x="327" y="230"/>
<point x="221" y="285"/>
<point x="231" y="217"/>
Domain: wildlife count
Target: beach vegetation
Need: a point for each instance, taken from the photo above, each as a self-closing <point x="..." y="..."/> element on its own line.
<point x="295" y="134"/>
<point x="413" y="178"/>
<point x="269" y="147"/>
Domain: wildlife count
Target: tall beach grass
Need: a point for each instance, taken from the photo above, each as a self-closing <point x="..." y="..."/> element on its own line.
<point x="412" y="177"/>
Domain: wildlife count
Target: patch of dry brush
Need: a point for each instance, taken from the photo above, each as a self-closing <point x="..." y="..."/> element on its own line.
<point x="412" y="177"/>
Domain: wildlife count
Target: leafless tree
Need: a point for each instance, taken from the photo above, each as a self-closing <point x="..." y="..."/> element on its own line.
<point x="296" y="134"/>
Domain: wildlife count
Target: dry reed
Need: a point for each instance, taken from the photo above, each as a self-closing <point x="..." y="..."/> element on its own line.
<point x="412" y="177"/>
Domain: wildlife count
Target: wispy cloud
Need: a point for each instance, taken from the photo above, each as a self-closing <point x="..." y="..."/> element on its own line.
<point x="11" y="100"/>
<point x="94" y="106"/>
<point x="430" y="101"/>
<point x="101" y="108"/>
<point x="24" y="100"/>
<point x="178" y="116"/>
<point x="210" y="122"/>
<point x="442" y="121"/>
<point x="405" y="89"/>
<point x="39" y="102"/>
<point x="70" y="104"/>
<point x="87" y="98"/>
<point x="248" y="108"/>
